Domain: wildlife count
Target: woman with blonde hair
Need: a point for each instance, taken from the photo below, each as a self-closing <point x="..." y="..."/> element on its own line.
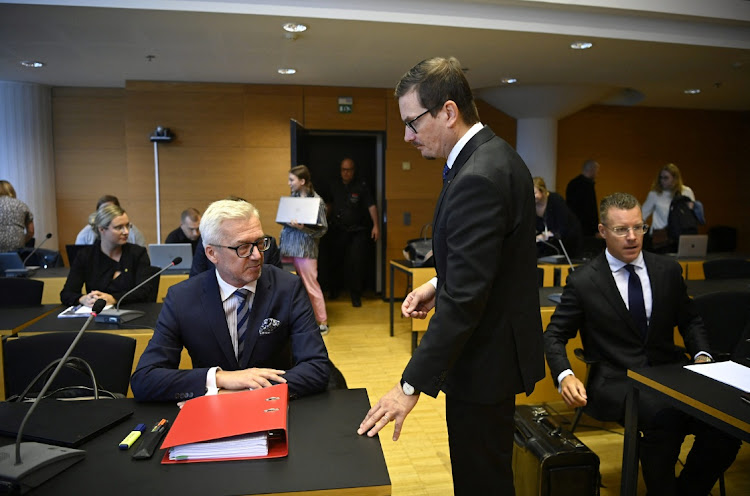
<point x="300" y="243"/>
<point x="666" y="186"/>
<point x="16" y="220"/>
<point x="111" y="266"/>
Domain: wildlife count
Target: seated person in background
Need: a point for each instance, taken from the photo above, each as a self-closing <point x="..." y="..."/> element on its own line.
<point x="16" y="220"/>
<point x="555" y="221"/>
<point x="626" y="302"/>
<point x="111" y="266"/>
<point x="88" y="235"/>
<point x="189" y="230"/>
<point x="245" y="325"/>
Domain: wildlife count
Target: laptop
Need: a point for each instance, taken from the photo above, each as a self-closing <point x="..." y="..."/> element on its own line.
<point x="303" y="210"/>
<point x="162" y="255"/>
<point x="72" y="251"/>
<point x="11" y="265"/>
<point x="692" y="246"/>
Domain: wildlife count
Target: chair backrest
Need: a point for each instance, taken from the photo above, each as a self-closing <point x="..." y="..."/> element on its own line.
<point x="722" y="238"/>
<point x="725" y="315"/>
<point x="109" y="355"/>
<point x="727" y="268"/>
<point x="540" y="277"/>
<point x="336" y="379"/>
<point x="20" y="291"/>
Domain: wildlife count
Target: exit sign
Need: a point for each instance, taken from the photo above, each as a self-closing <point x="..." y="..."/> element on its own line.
<point x="345" y="104"/>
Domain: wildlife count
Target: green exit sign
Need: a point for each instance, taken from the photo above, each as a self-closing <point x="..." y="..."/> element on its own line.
<point x="345" y="104"/>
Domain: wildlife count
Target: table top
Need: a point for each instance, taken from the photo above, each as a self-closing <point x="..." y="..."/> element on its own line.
<point x="706" y="398"/>
<point x="146" y="321"/>
<point x="12" y="317"/>
<point x="325" y="454"/>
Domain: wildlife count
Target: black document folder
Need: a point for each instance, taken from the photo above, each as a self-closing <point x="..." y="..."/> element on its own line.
<point x="64" y="423"/>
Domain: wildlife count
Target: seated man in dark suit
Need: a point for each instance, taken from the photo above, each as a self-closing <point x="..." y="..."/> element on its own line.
<point x="246" y="325"/>
<point x="189" y="229"/>
<point x="626" y="303"/>
<point x="201" y="263"/>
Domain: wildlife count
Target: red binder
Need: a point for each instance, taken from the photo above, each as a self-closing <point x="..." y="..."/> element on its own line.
<point x="223" y="415"/>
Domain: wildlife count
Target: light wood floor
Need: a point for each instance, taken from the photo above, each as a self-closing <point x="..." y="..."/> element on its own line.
<point x="419" y="462"/>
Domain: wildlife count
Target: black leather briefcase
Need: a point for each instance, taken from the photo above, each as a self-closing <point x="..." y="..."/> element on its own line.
<point x="549" y="460"/>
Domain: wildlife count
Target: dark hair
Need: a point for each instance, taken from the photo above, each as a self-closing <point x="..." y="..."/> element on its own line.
<point x="190" y="213"/>
<point x="302" y="172"/>
<point x="436" y="81"/>
<point x="620" y="201"/>
<point x="107" y="199"/>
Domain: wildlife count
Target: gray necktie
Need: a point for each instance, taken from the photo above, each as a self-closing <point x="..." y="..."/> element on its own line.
<point x="242" y="314"/>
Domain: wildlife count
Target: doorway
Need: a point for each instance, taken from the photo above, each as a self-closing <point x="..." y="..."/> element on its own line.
<point x="322" y="152"/>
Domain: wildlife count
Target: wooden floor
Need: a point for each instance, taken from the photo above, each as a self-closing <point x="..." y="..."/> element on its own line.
<point x="419" y="462"/>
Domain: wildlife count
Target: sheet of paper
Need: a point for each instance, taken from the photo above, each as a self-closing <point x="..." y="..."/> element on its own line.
<point x="730" y="373"/>
<point x="78" y="311"/>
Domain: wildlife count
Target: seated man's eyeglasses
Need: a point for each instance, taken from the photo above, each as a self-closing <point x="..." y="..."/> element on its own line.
<point x="246" y="250"/>
<point x="410" y="124"/>
<point x="622" y="231"/>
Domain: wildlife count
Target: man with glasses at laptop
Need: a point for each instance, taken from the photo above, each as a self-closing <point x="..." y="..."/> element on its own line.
<point x="626" y="303"/>
<point x="245" y="325"/>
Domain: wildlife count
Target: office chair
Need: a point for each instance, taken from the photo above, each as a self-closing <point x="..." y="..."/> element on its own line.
<point x="722" y="239"/>
<point x="20" y="291"/>
<point x="109" y="355"/>
<point x="727" y="268"/>
<point x="540" y="277"/>
<point x="336" y="379"/>
<point x="725" y="315"/>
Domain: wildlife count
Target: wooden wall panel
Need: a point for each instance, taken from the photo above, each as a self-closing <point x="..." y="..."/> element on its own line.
<point x="321" y="109"/>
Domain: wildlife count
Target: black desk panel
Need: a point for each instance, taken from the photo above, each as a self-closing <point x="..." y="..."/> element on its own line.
<point x="145" y="321"/>
<point x="325" y="454"/>
<point x="12" y="317"/>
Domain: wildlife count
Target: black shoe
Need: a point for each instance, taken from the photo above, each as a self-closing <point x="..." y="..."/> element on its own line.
<point x="356" y="301"/>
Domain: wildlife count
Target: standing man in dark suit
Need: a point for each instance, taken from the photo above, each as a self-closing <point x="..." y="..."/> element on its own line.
<point x="484" y="343"/>
<point x="581" y="197"/>
<point x="246" y="325"/>
<point x="626" y="303"/>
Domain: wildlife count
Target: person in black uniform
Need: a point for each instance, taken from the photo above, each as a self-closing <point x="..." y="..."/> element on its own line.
<point x="351" y="212"/>
<point x="189" y="230"/>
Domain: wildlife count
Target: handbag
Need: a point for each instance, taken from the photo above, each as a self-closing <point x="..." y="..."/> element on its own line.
<point x="419" y="250"/>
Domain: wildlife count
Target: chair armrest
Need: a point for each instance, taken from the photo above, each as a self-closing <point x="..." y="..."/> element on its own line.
<point x="581" y="355"/>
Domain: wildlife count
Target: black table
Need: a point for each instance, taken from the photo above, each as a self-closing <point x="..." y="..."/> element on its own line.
<point x="12" y="318"/>
<point x="325" y="456"/>
<point x="145" y="321"/>
<point x="711" y="401"/>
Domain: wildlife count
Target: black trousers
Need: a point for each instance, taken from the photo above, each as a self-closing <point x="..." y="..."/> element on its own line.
<point x="481" y="444"/>
<point x="350" y="256"/>
<point x="664" y="429"/>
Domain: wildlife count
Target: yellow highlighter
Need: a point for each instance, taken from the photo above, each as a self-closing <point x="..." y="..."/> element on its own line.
<point x="132" y="437"/>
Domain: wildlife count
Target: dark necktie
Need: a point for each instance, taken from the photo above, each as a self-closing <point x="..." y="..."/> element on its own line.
<point x="635" y="301"/>
<point x="242" y="314"/>
<point x="446" y="170"/>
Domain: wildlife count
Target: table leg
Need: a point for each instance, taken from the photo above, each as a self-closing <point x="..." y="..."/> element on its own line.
<point x="629" y="483"/>
<point x="391" y="300"/>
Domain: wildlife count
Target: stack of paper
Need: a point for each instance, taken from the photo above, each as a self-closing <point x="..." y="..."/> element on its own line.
<point x="729" y="372"/>
<point x="249" y="445"/>
<point x="78" y="311"/>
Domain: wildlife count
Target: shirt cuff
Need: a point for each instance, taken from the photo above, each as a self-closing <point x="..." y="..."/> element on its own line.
<point x="704" y="354"/>
<point x="433" y="281"/>
<point x="211" y="388"/>
<point x="565" y="373"/>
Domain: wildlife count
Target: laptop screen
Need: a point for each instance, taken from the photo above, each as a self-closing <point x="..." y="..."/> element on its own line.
<point x="162" y="255"/>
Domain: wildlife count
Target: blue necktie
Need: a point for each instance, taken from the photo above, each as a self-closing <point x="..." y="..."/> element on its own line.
<point x="635" y="301"/>
<point x="242" y="314"/>
<point x="446" y="170"/>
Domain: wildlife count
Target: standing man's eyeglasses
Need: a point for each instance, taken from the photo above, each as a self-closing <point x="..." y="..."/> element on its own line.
<point x="410" y="124"/>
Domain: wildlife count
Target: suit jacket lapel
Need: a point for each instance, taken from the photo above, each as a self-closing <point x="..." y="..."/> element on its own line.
<point x="213" y="310"/>
<point x="605" y="281"/>
<point x="258" y="312"/>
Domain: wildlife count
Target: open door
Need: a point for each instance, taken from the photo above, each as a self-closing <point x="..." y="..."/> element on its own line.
<point x="299" y="139"/>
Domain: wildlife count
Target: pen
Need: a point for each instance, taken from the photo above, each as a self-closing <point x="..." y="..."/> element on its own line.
<point x="159" y="424"/>
<point x="132" y="437"/>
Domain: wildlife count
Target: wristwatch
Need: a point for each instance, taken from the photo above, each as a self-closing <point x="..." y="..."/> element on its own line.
<point x="408" y="389"/>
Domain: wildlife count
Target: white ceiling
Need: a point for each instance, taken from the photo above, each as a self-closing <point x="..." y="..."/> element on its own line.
<point x="645" y="52"/>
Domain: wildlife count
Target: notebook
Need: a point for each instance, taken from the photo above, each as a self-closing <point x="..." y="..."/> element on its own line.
<point x="303" y="210"/>
<point x="11" y="265"/>
<point x="692" y="246"/>
<point x="64" y="423"/>
<point x="162" y="255"/>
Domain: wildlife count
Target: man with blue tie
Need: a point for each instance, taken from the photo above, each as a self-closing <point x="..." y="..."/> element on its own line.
<point x="245" y="325"/>
<point x="626" y="303"/>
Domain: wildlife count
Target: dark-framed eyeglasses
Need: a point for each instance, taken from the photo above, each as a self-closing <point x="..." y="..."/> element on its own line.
<point x="622" y="231"/>
<point x="410" y="124"/>
<point x="245" y="250"/>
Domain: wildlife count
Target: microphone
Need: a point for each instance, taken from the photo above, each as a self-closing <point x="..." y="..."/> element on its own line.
<point x="24" y="466"/>
<point x="118" y="316"/>
<point x="551" y="258"/>
<point x="572" y="268"/>
<point x="48" y="236"/>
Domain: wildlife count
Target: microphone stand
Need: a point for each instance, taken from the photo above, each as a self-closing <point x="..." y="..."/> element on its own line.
<point x="48" y="236"/>
<point x="118" y="316"/>
<point x="43" y="461"/>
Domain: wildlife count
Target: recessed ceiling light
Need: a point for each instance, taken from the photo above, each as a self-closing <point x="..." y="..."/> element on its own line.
<point x="287" y="70"/>
<point x="692" y="91"/>
<point x="32" y="63"/>
<point x="293" y="27"/>
<point x="509" y="80"/>
<point x="581" y="45"/>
